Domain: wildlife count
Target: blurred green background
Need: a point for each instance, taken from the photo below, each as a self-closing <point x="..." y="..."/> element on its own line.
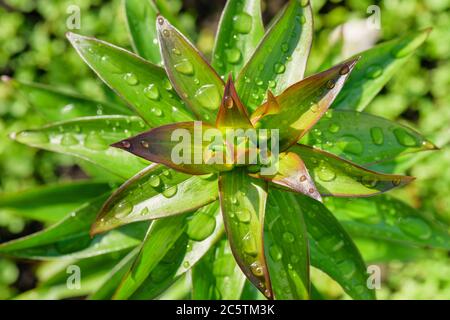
<point x="33" y="48"/>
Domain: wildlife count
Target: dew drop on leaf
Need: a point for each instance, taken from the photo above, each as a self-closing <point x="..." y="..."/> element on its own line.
<point x="415" y="227"/>
<point x="275" y="253"/>
<point x="95" y="142"/>
<point x="351" y="145"/>
<point x="369" y="182"/>
<point x="288" y="237"/>
<point x="257" y="269"/>
<point x="374" y="72"/>
<point x="279" y="68"/>
<point x="152" y="92"/>
<point x="348" y="268"/>
<point x="249" y="245"/>
<point x="123" y="209"/>
<point x="69" y="140"/>
<point x="201" y="226"/>
<point x="405" y="138"/>
<point x="170" y="192"/>
<point x="242" y="23"/>
<point x="185" y="67"/>
<point x="131" y="79"/>
<point x="244" y="215"/>
<point x="208" y="96"/>
<point x="377" y="135"/>
<point x="325" y="173"/>
<point x="233" y="55"/>
<point x="155" y="181"/>
<point x="157" y="112"/>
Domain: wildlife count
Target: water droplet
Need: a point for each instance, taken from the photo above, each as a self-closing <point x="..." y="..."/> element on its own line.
<point x="415" y="227"/>
<point x="123" y="209"/>
<point x="208" y="96"/>
<point x="351" y="145"/>
<point x="186" y="264"/>
<point x="377" y="135"/>
<point x="166" y="33"/>
<point x="176" y="52"/>
<point x="288" y="237"/>
<point x="242" y="23"/>
<point x="334" y="128"/>
<point x="157" y="112"/>
<point x="325" y="173"/>
<point x="272" y="84"/>
<point x="69" y="140"/>
<point x="348" y="268"/>
<point x="95" y="142"/>
<point x="32" y="137"/>
<point x="152" y="92"/>
<point x="314" y="107"/>
<point x="160" y="20"/>
<point x="405" y="138"/>
<point x="279" y="68"/>
<point x="344" y="70"/>
<point x="144" y="211"/>
<point x="109" y="64"/>
<point x="201" y="226"/>
<point x="228" y="102"/>
<point x="145" y="144"/>
<point x="331" y="243"/>
<point x="244" y="215"/>
<point x="155" y="181"/>
<point x="249" y="245"/>
<point x="131" y="79"/>
<point x="170" y="192"/>
<point x="275" y="253"/>
<point x="331" y="84"/>
<point x="285" y="47"/>
<point x="185" y="67"/>
<point x="257" y="269"/>
<point x="374" y="72"/>
<point x="303" y="178"/>
<point x="233" y="55"/>
<point x="126" y="144"/>
<point x="369" y="182"/>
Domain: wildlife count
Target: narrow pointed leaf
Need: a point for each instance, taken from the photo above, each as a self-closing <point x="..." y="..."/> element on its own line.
<point x="293" y="174"/>
<point x="333" y="251"/>
<point x="89" y="139"/>
<point x="141" y="20"/>
<point x="303" y="104"/>
<point x="337" y="177"/>
<point x="70" y="238"/>
<point x="365" y="138"/>
<point x="58" y="105"/>
<point x="191" y="75"/>
<point x="377" y="66"/>
<point x="144" y="86"/>
<point x="164" y="234"/>
<point x="280" y="59"/>
<point x="286" y="247"/>
<point x="243" y="201"/>
<point x="184" y="256"/>
<point x="217" y="276"/>
<point x="387" y="218"/>
<point x="156" y="192"/>
<point x="240" y="30"/>
<point x="232" y="113"/>
<point x="53" y="202"/>
<point x="179" y="146"/>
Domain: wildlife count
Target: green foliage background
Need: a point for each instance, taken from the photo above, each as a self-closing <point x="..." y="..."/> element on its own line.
<point x="33" y="48"/>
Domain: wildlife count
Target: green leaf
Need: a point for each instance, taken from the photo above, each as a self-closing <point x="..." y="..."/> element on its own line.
<point x="217" y="276"/>
<point x="280" y="59"/>
<point x="184" y="256"/>
<point x="376" y="67"/>
<point x="240" y="30"/>
<point x="337" y="177"/>
<point x="181" y="146"/>
<point x="141" y="21"/>
<point x="89" y="139"/>
<point x="381" y="251"/>
<point x="365" y="138"/>
<point x="286" y="247"/>
<point x="144" y="86"/>
<point x="191" y="75"/>
<point x="161" y="247"/>
<point x="302" y="105"/>
<point x="387" y="218"/>
<point x="58" y="105"/>
<point x="243" y="201"/>
<point x="51" y="203"/>
<point x="333" y="251"/>
<point x="156" y="192"/>
<point x="70" y="238"/>
<point x="293" y="175"/>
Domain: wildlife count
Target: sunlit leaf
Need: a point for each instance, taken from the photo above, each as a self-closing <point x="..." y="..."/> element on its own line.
<point x="144" y="86"/>
<point x="381" y="251"/>
<point x="52" y="202"/>
<point x="280" y="59"/>
<point x="181" y="146"/>
<point x="70" y="238"/>
<point x="387" y="218"/>
<point x="240" y="30"/>
<point x="243" y="201"/>
<point x="286" y="247"/>
<point x="302" y="105"/>
<point x="333" y="251"/>
<point x="89" y="139"/>
<point x="141" y="19"/>
<point x="163" y="235"/>
<point x="293" y="174"/>
<point x="191" y="75"/>
<point x="59" y="105"/>
<point x="337" y="177"/>
<point x="154" y="193"/>
<point x="217" y="276"/>
<point x="364" y="138"/>
<point x="376" y="67"/>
